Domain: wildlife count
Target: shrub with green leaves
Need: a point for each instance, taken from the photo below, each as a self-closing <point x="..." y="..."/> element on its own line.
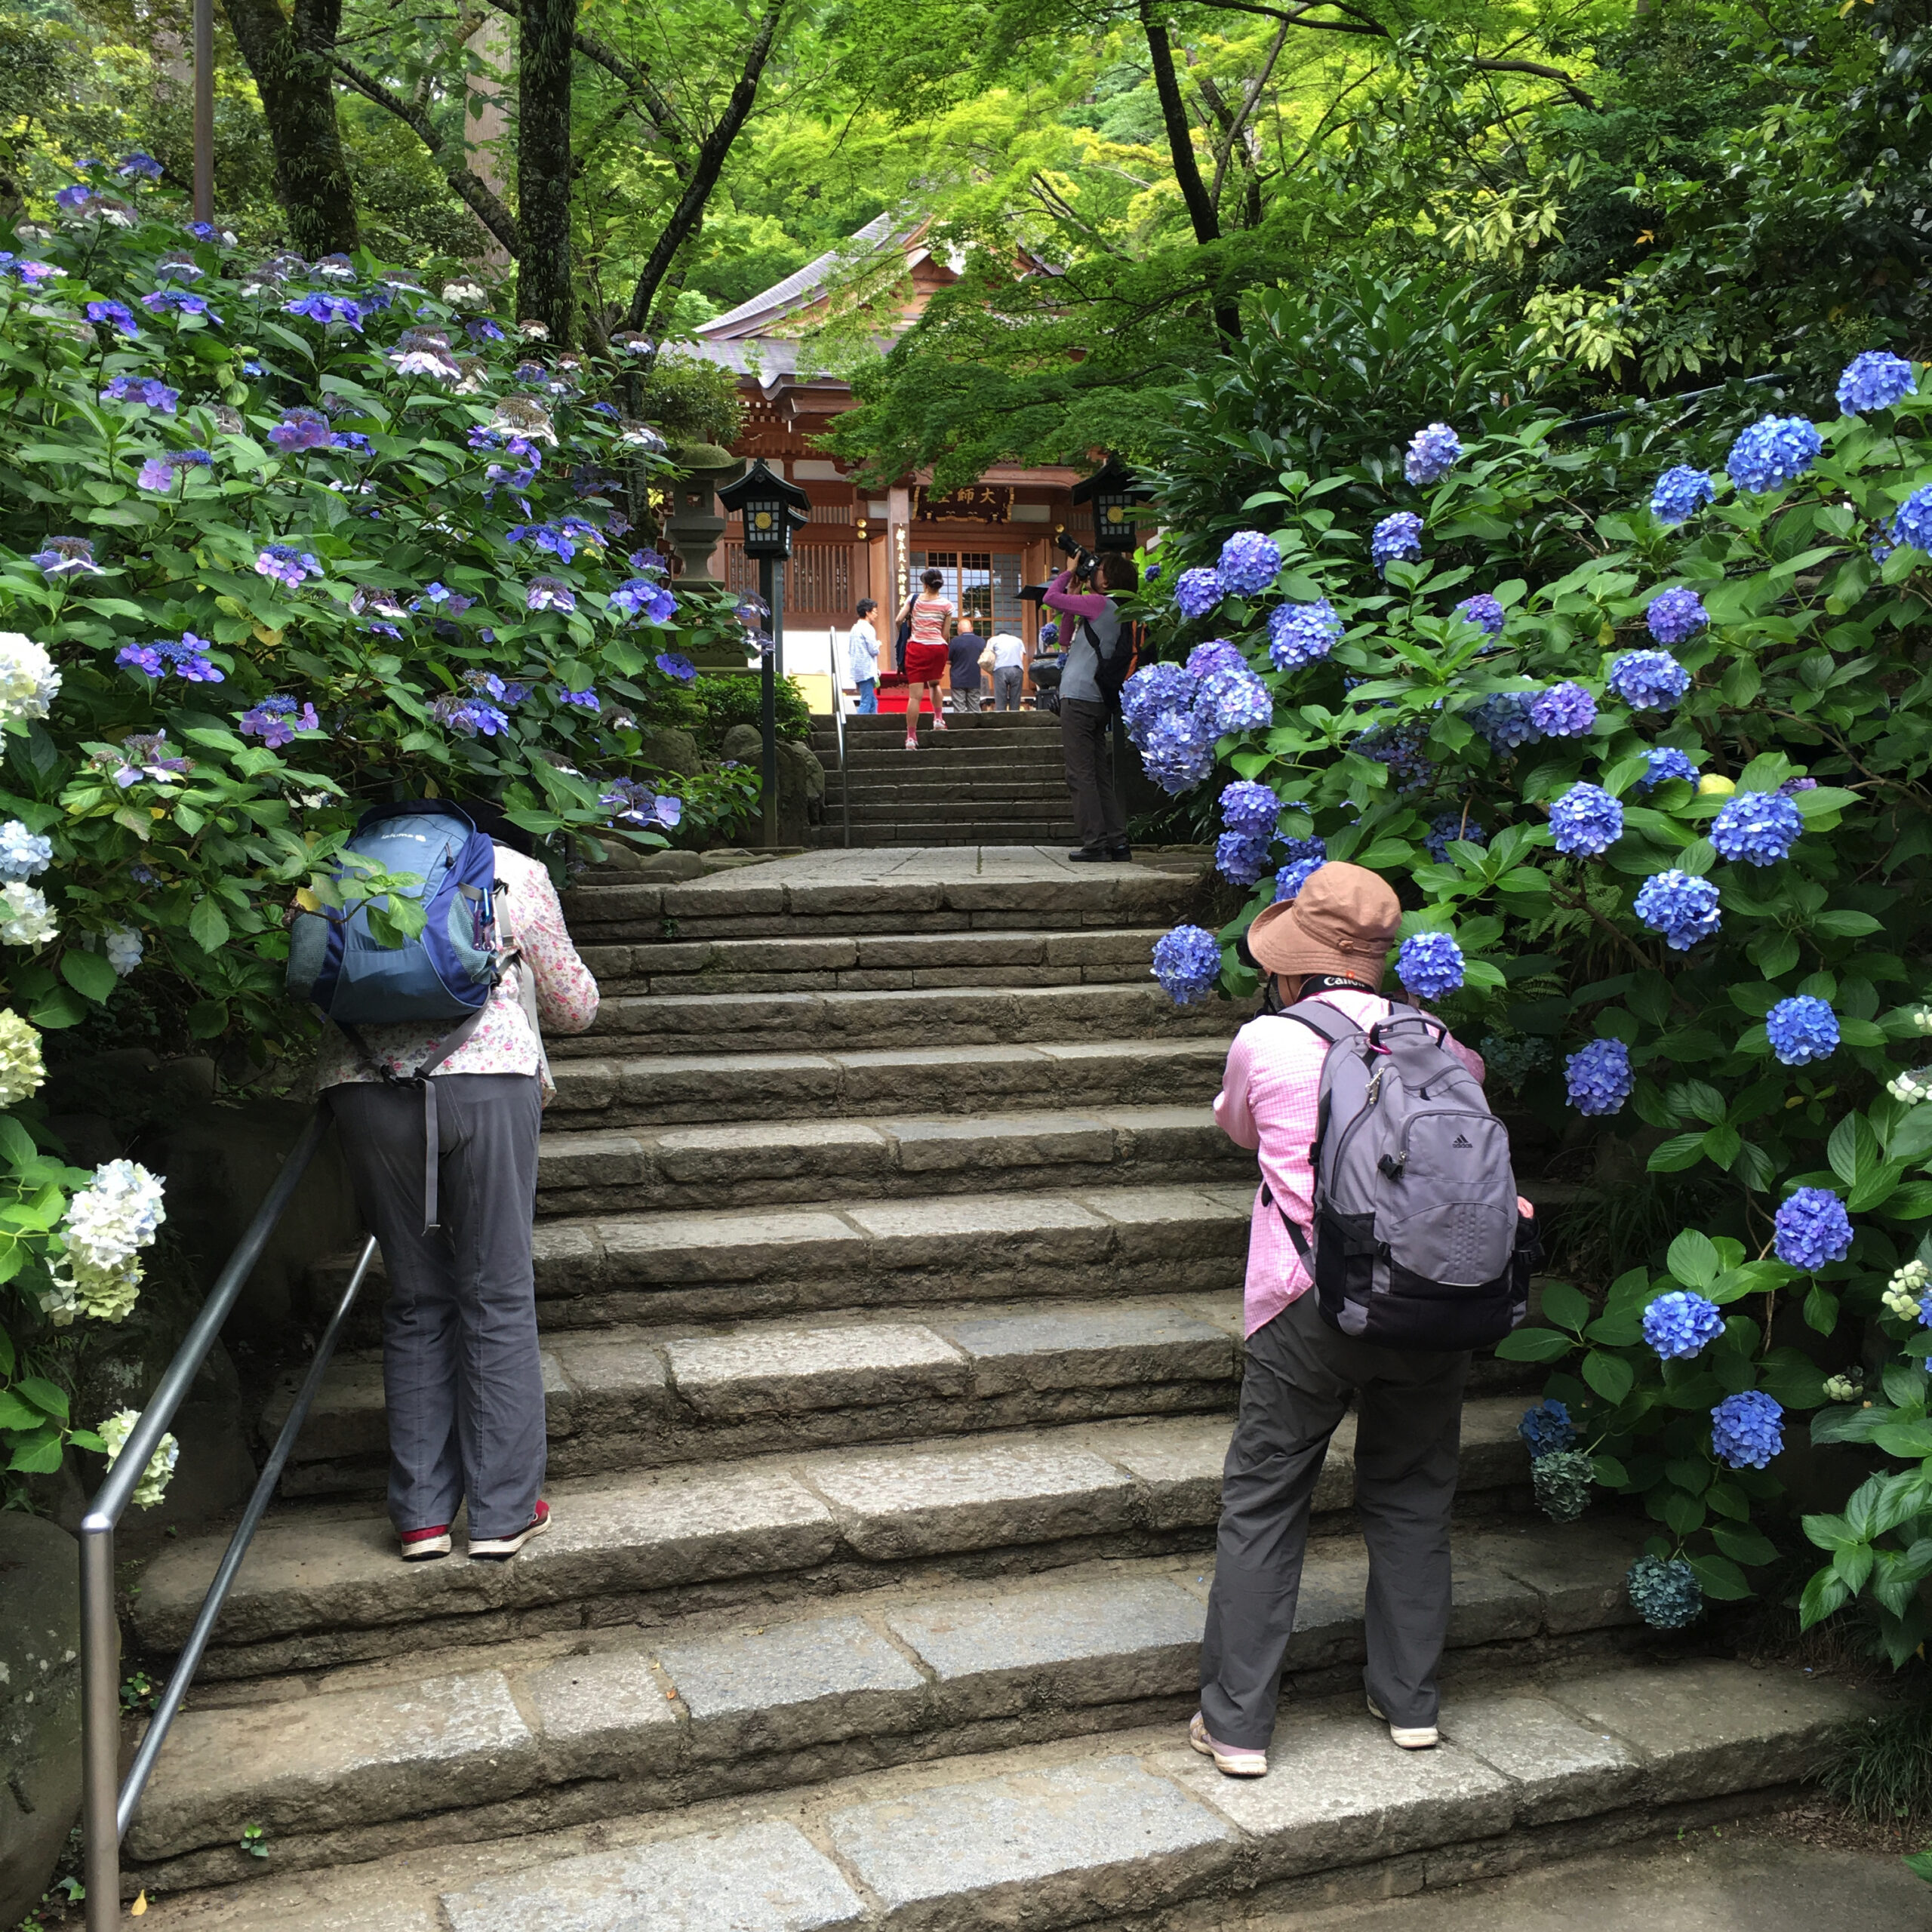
<point x="1659" y="801"/>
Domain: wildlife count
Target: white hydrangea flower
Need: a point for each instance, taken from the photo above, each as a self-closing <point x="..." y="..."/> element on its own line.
<point x="22" y="1069"/>
<point x="22" y="852"/>
<point x="107" y="1291"/>
<point x="1841" y="1387"/>
<point x="113" y="1218"/>
<point x="1903" y="1291"/>
<point x="123" y="947"/>
<point x="25" y="918"/>
<point x="28" y="679"/>
<point x="153" y="1484"/>
<point x="1921" y="1018"/>
<point x="60" y="1303"/>
<point x="1911" y="1088"/>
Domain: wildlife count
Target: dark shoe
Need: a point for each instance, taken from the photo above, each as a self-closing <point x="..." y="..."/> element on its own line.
<point x="1087" y="855"/>
<point x="1121" y="854"/>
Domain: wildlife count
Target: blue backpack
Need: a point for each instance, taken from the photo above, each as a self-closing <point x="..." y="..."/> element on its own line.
<point x="445" y="974"/>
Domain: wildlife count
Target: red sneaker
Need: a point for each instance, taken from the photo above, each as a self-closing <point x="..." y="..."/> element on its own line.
<point x="419" y="1545"/>
<point x="500" y="1549"/>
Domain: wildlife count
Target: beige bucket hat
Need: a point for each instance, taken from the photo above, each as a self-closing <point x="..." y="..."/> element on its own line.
<point x="1343" y="920"/>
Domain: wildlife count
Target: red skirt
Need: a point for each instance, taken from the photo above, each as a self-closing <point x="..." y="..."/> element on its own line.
<point x="924" y="663"/>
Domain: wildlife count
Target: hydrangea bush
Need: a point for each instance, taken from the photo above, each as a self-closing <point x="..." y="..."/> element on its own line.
<point x="1685" y="713"/>
<point x="276" y="540"/>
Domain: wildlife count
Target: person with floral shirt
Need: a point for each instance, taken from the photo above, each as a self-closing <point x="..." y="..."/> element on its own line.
<point x="462" y="1381"/>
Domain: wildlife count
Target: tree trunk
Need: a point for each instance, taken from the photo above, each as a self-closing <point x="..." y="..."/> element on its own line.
<point x="291" y="61"/>
<point x="545" y="29"/>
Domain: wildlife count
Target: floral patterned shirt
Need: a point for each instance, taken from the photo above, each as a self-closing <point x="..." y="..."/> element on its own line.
<point x="532" y="922"/>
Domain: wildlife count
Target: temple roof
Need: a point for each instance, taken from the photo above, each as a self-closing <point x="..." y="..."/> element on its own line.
<point x="806" y="287"/>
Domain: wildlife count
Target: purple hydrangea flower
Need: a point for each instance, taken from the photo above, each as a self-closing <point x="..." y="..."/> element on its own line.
<point x="641" y="597"/>
<point x="143" y="390"/>
<point x="583" y="700"/>
<point x="675" y="664"/>
<point x="275" y="721"/>
<point x="283" y="563"/>
<point x="1664" y="763"/>
<point x="468" y="717"/>
<point x="479" y="329"/>
<point x="1296" y="873"/>
<point x="1811" y="1229"/>
<point x="1177" y="750"/>
<point x="1430" y="964"/>
<point x="1448" y="829"/>
<point x="1586" y="822"/>
<point x="549" y="593"/>
<point x="1789" y="788"/>
<point x="1648" y="680"/>
<point x="1250" y="807"/>
<point x="1599" y="1077"/>
<point x="156" y="474"/>
<point x="138" y="166"/>
<point x="1396" y="539"/>
<point x="1249" y="563"/>
<point x="66" y="556"/>
<point x="1299" y="634"/>
<point x="1747" y="1429"/>
<point x="1757" y="828"/>
<point x="302" y="428"/>
<point x="1400" y="748"/>
<point x="1912" y="522"/>
<point x="1241" y="857"/>
<point x="1773" y="451"/>
<point x="115" y="315"/>
<point x="1153" y="689"/>
<point x="1875" y="380"/>
<point x="1675" y="616"/>
<point x="1217" y="654"/>
<point x="1484" y="612"/>
<point x="178" y="302"/>
<point x="144" y="658"/>
<point x="1432" y="453"/>
<point x="318" y="305"/>
<point x="1680" y="493"/>
<point x="637" y="804"/>
<point x="1678" y="1325"/>
<point x="1802" y="1029"/>
<point x="1236" y="701"/>
<point x="189" y="661"/>
<point x="1196" y="593"/>
<point x="1507" y="720"/>
<point x="1681" y="906"/>
<point x="1187" y="962"/>
<point x="1564" y="711"/>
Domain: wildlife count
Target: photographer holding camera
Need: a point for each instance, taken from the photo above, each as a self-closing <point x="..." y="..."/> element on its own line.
<point x="1099" y="656"/>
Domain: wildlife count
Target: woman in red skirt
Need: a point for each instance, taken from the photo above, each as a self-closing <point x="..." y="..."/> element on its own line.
<point x="924" y="660"/>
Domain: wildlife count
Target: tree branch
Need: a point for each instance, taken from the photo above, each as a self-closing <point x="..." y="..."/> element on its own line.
<point x="664" y="117"/>
<point x="1541" y="72"/>
<point x="469" y="187"/>
<point x="690" y="210"/>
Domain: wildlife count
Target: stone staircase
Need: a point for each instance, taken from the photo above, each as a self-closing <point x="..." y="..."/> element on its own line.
<point x="990" y="778"/>
<point x="892" y="1331"/>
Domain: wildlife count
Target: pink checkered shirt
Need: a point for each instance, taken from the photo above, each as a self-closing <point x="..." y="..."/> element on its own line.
<point x="1267" y="1101"/>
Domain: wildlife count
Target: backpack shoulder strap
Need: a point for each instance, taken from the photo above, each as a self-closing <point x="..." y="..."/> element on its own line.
<point x="1321" y="1017"/>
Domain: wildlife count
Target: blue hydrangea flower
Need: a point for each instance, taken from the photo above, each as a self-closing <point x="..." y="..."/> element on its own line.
<point x="115" y="315"/>
<point x="1237" y="701"/>
<point x="144" y="390"/>
<point x="1599" y="1077"/>
<point x="1665" y="1593"/>
<point x="1484" y="611"/>
<point x="1432" y="453"/>
<point x="468" y="717"/>
<point x="1680" y="906"/>
<point x="283" y="563"/>
<point x="22" y="852"/>
<point x="1759" y="828"/>
<point x="1249" y="563"/>
<point x="1396" y="539"/>
<point x="1586" y="822"/>
<point x="138" y="167"/>
<point x="1802" y="1029"/>
<point x="549" y="593"/>
<point x="1773" y="451"/>
<point x="1429" y="964"/>
<point x="1547" y="1430"/>
<point x="1400" y="748"/>
<point x="1241" y="857"/>
<point x="1298" y="849"/>
<point x="1649" y="680"/>
<point x="1250" y="807"/>
<point x="675" y="664"/>
<point x="1153" y="689"/>
<point x="1810" y="1229"/>
<point x="302" y="428"/>
<point x="1564" y="711"/>
<point x="1151" y="574"/>
<point x="1187" y="962"/>
<point x="1177" y="751"/>
<point x="1298" y="634"/>
<point x="1680" y="493"/>
<point x="1216" y="654"/>
<point x="1678" y="1325"/>
<point x="1197" y="591"/>
<point x="1503" y="718"/>
<point x="1675" y="616"/>
<point x="178" y="302"/>
<point x="330" y="310"/>
<point x="583" y="700"/>
<point x="1448" y="828"/>
<point x="640" y="597"/>
<point x="1296" y="873"/>
<point x="1875" y="380"/>
<point x="1747" y="1429"/>
<point x="1912" y="522"/>
<point x="1665" y="762"/>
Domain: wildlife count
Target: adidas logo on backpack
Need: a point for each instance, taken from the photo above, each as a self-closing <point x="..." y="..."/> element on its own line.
<point x="1417" y="1240"/>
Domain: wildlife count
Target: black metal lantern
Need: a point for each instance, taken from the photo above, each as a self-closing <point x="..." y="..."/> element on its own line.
<point x="1116" y="501"/>
<point x="772" y="508"/>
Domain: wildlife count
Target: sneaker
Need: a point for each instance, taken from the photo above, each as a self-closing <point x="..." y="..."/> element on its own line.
<point x="419" y="1545"/>
<point x="912" y="743"/>
<point x="1407" y="1737"/>
<point x="500" y="1549"/>
<point x="1230" y="1760"/>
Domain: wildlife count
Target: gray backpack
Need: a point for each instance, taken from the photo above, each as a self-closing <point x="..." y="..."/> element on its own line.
<point x="1418" y="1242"/>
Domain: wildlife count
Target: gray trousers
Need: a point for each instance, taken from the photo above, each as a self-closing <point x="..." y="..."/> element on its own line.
<point x="1006" y="687"/>
<point x="1097" y="812"/>
<point x="461" y="1377"/>
<point x="1294" y="1390"/>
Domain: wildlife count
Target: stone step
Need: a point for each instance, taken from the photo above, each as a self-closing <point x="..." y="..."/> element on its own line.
<point x="664" y="1088"/>
<point x="1112" y="1827"/>
<point x="808" y="1022"/>
<point x="646" y="1398"/>
<point x="889" y="806"/>
<point x="890" y="1158"/>
<point x="952" y="789"/>
<point x="952" y="829"/>
<point x="323" y="1586"/>
<point x="864" y="963"/>
<point x="950" y="892"/>
<point x="369" y="1759"/>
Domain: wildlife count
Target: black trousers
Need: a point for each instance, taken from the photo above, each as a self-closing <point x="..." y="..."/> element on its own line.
<point x="1300" y="1375"/>
<point x="1083" y="737"/>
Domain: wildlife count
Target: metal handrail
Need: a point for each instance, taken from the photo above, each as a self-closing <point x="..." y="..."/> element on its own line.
<point x="845" y="778"/>
<point x="107" y="1802"/>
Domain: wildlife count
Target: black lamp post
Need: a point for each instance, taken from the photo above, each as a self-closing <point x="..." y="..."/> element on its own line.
<point x="1116" y="500"/>
<point x="772" y="508"/>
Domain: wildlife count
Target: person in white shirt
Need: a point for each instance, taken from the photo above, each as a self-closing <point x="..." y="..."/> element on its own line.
<point x="1009" y="670"/>
<point x="862" y="658"/>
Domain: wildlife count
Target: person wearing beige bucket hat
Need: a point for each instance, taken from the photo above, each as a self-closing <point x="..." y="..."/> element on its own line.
<point x="1329" y="943"/>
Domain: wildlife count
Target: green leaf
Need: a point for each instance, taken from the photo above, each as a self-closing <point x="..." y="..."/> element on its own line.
<point x="208" y="927"/>
<point x="1792" y="1378"/>
<point x="49" y="1398"/>
<point x="1852" y="1149"/>
<point x="1564" y="1306"/>
<point x="1680" y="1151"/>
<point x="1534" y="1344"/>
<point x="1899" y="1438"/>
<point x="89" y="974"/>
<point x="1608" y="1471"/>
<point x="1721" y="1579"/>
<point x="1824" y="1596"/>
<point x="16" y="1415"/>
<point x="1610" y="1376"/>
<point x="39" y="1454"/>
<point x="1683" y="1513"/>
<point x="1744" y="1544"/>
<point x="1821" y="1309"/>
<point x="1692" y="1260"/>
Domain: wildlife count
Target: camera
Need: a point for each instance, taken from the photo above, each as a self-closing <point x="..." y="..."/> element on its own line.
<point x="1085" y="561"/>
